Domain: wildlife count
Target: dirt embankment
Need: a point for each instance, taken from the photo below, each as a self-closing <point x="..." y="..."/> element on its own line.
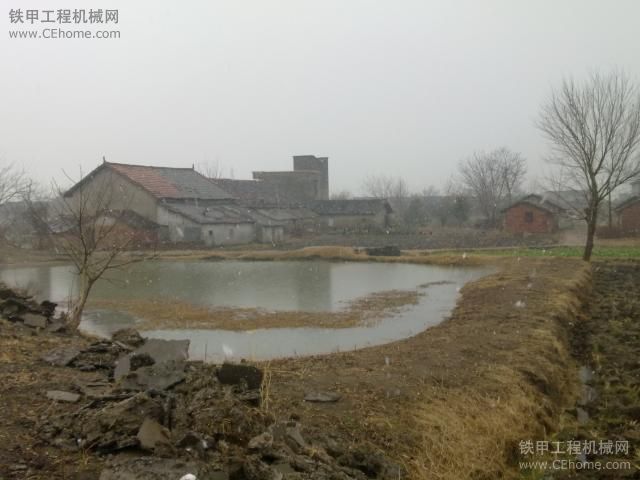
<point x="455" y="401"/>
<point x="607" y="343"/>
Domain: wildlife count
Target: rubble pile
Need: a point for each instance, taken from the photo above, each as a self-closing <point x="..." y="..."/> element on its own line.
<point x="155" y="414"/>
<point x="23" y="309"/>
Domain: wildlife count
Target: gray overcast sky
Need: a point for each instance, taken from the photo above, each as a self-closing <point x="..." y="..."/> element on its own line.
<point x="384" y="87"/>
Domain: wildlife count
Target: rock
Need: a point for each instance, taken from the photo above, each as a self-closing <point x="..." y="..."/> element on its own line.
<point x="48" y="308"/>
<point x="56" y="326"/>
<point x="238" y="374"/>
<point x="252" y="397"/>
<point x="158" y="350"/>
<point x="322" y="397"/>
<point x="587" y="395"/>
<point x="60" y="357"/>
<point x="161" y="376"/>
<point x="152" y="434"/>
<point x="149" y="468"/>
<point x="260" y="442"/>
<point x="289" y="433"/>
<point x="386" y="251"/>
<point x="34" y="320"/>
<point x="61" y="396"/>
<point x="128" y="336"/>
<point x="190" y="440"/>
<point x="366" y="462"/>
<point x="255" y="469"/>
<point x="116" y="426"/>
<point x="137" y="360"/>
<point x="582" y="416"/>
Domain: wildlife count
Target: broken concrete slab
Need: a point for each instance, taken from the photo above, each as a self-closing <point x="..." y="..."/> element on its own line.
<point x="161" y="376"/>
<point x="34" y="320"/>
<point x="239" y="374"/>
<point x="62" y="396"/>
<point x="153" y="435"/>
<point x="322" y="397"/>
<point x="128" y="336"/>
<point x="60" y="357"/>
<point x="260" y="442"/>
<point x="116" y="426"/>
<point x="137" y="360"/>
<point x="159" y="350"/>
<point x="149" y="468"/>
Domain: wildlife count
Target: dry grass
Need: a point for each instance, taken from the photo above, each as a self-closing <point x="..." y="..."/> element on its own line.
<point x="170" y="314"/>
<point x="454" y="401"/>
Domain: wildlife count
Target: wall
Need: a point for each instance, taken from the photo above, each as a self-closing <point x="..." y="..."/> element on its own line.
<point x="317" y="164"/>
<point x="300" y="187"/>
<point x="270" y="234"/>
<point x="125" y="194"/>
<point x="630" y="219"/>
<point x="179" y="228"/>
<point x="354" y="222"/>
<point x="543" y="221"/>
<point x="228" y="234"/>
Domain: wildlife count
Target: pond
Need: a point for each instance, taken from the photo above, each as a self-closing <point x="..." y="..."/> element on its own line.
<point x="278" y="286"/>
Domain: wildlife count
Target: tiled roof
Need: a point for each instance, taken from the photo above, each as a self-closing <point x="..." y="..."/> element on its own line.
<point x="210" y="215"/>
<point x="164" y="182"/>
<point x="254" y="192"/>
<point x="627" y="202"/>
<point x="354" y="206"/>
<point x="539" y="201"/>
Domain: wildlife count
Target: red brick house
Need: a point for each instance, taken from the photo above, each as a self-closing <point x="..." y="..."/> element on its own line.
<point x="532" y="214"/>
<point x="629" y="215"/>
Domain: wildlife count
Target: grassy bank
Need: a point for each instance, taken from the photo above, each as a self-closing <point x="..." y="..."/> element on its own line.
<point x="454" y="401"/>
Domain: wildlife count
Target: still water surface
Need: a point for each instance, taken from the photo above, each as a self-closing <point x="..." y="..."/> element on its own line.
<point x="287" y="285"/>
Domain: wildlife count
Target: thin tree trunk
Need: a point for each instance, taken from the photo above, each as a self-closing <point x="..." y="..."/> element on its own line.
<point x="75" y="316"/>
<point x="591" y="233"/>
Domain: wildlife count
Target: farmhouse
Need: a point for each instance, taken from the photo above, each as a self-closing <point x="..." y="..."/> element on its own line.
<point x="357" y="213"/>
<point x="628" y="213"/>
<point x="532" y="214"/>
<point x="184" y="204"/>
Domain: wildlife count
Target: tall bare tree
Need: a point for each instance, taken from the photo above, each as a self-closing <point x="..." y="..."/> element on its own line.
<point x="493" y="178"/>
<point x="86" y="224"/>
<point x="388" y="187"/>
<point x="13" y="182"/>
<point x="593" y="128"/>
<point x="385" y="186"/>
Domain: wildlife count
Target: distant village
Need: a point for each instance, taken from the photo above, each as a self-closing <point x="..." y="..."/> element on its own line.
<point x="181" y="206"/>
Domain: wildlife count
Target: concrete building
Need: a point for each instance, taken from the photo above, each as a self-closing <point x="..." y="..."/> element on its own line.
<point x="357" y="213"/>
<point x="628" y="213"/>
<point x="308" y="181"/>
<point x="532" y="214"/>
<point x="185" y="205"/>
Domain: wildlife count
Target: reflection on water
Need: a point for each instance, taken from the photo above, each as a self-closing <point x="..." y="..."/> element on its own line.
<point x="287" y="285"/>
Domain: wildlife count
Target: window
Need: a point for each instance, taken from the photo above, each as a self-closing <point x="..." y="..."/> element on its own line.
<point x="211" y="233"/>
<point x="528" y="217"/>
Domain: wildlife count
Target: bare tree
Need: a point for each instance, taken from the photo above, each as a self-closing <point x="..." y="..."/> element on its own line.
<point x="86" y="223"/>
<point x="594" y="131"/>
<point x="493" y="178"/>
<point x="13" y="182"/>
<point x="385" y="186"/>
<point x="211" y="170"/>
<point x="388" y="187"/>
<point x="341" y="195"/>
